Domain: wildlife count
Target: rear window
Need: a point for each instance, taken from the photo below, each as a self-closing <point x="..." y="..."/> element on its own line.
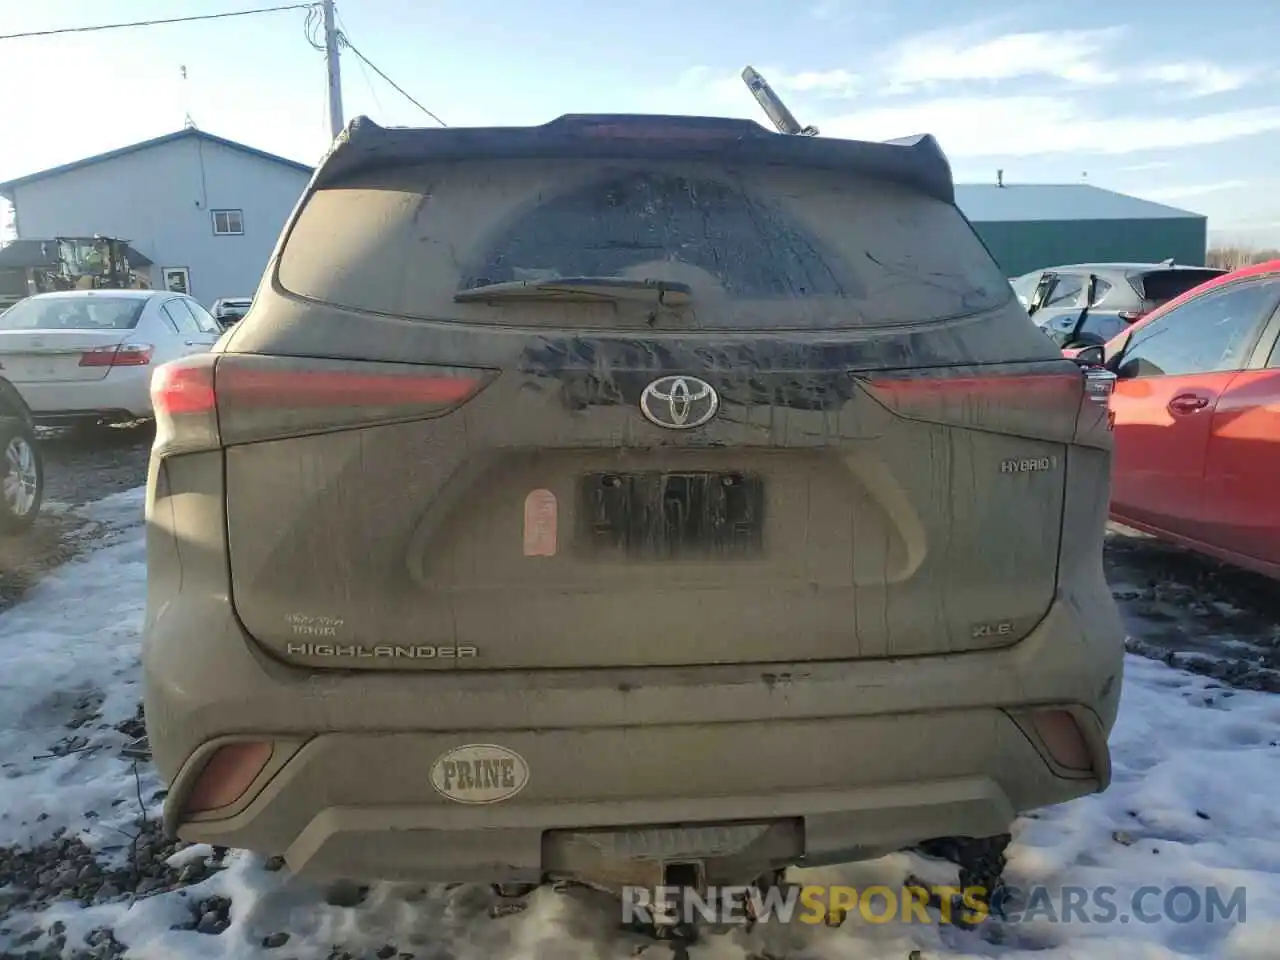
<point x="767" y="248"/>
<point x="73" y="313"/>
<point x="1160" y="286"/>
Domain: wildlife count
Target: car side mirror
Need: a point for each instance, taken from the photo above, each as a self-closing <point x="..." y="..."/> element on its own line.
<point x="1091" y="356"/>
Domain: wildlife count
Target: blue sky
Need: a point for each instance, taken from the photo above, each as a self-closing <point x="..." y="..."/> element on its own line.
<point x="1167" y="100"/>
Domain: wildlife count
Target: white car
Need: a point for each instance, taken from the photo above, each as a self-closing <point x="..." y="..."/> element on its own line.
<point x="87" y="355"/>
<point x="229" y="310"/>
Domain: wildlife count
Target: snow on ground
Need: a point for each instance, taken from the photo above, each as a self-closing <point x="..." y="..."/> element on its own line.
<point x="1193" y="804"/>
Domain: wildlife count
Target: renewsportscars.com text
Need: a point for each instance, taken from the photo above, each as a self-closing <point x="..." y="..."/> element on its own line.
<point x="815" y="904"/>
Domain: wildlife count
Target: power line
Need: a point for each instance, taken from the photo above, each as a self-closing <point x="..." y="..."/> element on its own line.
<point x="153" y="23"/>
<point x="374" y="67"/>
<point x="312" y="28"/>
<point x="368" y="81"/>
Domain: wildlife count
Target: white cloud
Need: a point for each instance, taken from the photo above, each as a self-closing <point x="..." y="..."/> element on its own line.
<point x="977" y="117"/>
<point x="827" y="10"/>
<point x="1200" y="79"/>
<point x="1185" y="191"/>
<point x="849" y="11"/>
<point x="1143" y="167"/>
<point x="1022" y="126"/>
<point x="950" y="56"/>
<point x="837" y="82"/>
<point x="1084" y="57"/>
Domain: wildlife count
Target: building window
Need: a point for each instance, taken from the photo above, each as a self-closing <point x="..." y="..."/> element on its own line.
<point x="228" y="223"/>
<point x="177" y="279"/>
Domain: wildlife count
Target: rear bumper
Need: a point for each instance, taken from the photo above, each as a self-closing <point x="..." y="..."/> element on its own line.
<point x="864" y="757"/>
<point x="363" y="806"/>
<point x="847" y="760"/>
<point x="123" y="392"/>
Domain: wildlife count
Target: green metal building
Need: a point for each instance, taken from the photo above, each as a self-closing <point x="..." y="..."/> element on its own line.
<point x="1030" y="226"/>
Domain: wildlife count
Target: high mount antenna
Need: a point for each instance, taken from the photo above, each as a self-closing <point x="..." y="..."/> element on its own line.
<point x="774" y="108"/>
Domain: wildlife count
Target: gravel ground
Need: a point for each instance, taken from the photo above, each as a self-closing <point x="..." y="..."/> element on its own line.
<point x="79" y="468"/>
<point x="88" y="466"/>
<point x="1195" y="613"/>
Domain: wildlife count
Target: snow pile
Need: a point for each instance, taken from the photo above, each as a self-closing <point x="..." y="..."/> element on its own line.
<point x="1192" y="804"/>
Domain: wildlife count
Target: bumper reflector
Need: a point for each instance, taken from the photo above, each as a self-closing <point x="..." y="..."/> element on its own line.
<point x="227" y="775"/>
<point x="1061" y="737"/>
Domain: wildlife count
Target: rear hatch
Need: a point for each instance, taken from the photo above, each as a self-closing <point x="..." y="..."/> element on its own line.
<point x="60" y="339"/>
<point x="1158" y="287"/>
<point x="636" y="391"/>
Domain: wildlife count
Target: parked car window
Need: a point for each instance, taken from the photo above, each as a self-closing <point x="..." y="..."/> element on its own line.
<point x="204" y="319"/>
<point x="181" y="316"/>
<point x="1100" y="292"/>
<point x="1211" y="333"/>
<point x="1273" y="361"/>
<point x="1160" y="286"/>
<point x="1024" y="287"/>
<point x="73" y="313"/>
<point x="1066" y="292"/>
<point x="1101" y="327"/>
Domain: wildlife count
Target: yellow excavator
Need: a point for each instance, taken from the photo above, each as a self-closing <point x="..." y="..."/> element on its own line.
<point x="30" y="266"/>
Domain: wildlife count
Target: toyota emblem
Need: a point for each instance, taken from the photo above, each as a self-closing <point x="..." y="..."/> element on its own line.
<point x="679" y="403"/>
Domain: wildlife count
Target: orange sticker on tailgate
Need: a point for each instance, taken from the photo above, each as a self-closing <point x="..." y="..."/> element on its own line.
<point x="540" y="521"/>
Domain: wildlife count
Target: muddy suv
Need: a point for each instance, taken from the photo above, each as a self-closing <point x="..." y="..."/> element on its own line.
<point x="626" y="499"/>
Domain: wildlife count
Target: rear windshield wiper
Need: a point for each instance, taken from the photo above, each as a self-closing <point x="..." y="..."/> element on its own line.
<point x="670" y="293"/>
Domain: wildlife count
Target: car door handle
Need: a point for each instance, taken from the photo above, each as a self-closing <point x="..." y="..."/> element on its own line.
<point x="199" y="343"/>
<point x="1188" y="403"/>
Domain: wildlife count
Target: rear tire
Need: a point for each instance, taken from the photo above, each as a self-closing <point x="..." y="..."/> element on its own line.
<point x="21" y="476"/>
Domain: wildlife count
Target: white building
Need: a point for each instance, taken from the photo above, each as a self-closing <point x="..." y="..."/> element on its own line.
<point x="205" y="211"/>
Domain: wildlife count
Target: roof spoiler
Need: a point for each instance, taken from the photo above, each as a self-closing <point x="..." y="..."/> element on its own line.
<point x="917" y="162"/>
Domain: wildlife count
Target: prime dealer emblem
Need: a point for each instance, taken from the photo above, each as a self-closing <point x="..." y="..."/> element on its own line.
<point x="479" y="773"/>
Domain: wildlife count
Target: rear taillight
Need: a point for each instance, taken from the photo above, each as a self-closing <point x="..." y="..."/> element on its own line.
<point x="184" y="404"/>
<point x="124" y="355"/>
<point x="1040" y="404"/>
<point x="1062" y="405"/>
<point x="209" y="400"/>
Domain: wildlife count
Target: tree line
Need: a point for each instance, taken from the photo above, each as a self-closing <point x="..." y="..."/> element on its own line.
<point x="1235" y="257"/>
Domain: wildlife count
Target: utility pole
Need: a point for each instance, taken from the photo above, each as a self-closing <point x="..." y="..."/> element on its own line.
<point x="334" y="69"/>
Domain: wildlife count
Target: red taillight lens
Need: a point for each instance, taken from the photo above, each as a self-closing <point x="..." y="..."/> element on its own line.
<point x="318" y="388"/>
<point x="1063" y="405"/>
<point x="185" y="405"/>
<point x="209" y="400"/>
<point x="124" y="355"/>
<point x="1041" y="404"/>
<point x="183" y="387"/>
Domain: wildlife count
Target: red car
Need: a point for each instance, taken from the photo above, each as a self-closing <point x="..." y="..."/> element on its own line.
<point x="1197" y="419"/>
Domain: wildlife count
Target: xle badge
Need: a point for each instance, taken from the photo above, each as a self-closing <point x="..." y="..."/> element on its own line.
<point x="479" y="773"/>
